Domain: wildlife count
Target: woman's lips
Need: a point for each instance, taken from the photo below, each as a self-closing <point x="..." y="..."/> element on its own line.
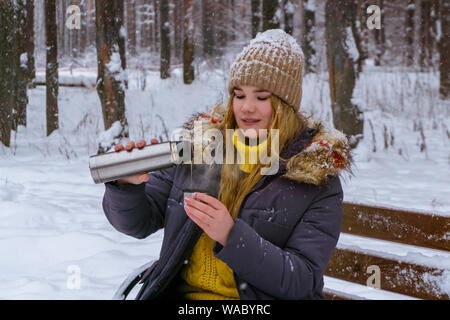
<point x="250" y="122"/>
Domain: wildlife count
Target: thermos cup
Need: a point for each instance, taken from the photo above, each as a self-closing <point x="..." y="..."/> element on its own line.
<point x="115" y="165"/>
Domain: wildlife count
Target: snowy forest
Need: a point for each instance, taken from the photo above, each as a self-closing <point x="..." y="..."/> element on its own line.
<point x="79" y="76"/>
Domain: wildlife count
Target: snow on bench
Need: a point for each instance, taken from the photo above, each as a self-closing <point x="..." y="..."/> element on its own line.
<point x="408" y="250"/>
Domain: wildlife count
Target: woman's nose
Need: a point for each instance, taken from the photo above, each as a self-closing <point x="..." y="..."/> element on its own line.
<point x="248" y="106"/>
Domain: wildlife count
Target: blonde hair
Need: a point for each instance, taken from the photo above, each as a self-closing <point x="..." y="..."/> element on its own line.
<point x="235" y="185"/>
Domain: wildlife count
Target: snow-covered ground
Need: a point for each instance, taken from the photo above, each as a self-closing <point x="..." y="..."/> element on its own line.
<point x="52" y="227"/>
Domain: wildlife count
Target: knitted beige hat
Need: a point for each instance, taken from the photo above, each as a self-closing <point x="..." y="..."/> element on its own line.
<point x="272" y="61"/>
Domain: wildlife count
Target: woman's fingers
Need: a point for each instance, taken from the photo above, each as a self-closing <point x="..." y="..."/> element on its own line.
<point x="140" y="144"/>
<point x="196" y="220"/>
<point x="200" y="218"/>
<point x="200" y="206"/>
<point x="130" y="145"/>
<point x="118" y="147"/>
<point x="217" y="224"/>
<point x="153" y="141"/>
<point x="144" y="177"/>
<point x="213" y="202"/>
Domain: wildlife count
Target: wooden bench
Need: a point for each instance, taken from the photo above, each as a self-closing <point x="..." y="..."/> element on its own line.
<point x="409" y="252"/>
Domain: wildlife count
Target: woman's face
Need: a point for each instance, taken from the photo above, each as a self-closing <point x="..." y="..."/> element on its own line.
<point x="252" y="109"/>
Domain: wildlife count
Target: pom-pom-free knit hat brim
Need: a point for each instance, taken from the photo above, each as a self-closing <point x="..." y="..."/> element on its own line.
<point x="272" y="61"/>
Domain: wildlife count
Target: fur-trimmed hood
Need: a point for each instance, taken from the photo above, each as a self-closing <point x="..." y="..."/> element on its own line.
<point x="316" y="154"/>
<point x="312" y="156"/>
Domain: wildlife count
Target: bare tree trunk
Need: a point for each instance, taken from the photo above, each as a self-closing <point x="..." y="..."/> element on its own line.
<point x="288" y="8"/>
<point x="178" y="30"/>
<point x="242" y="25"/>
<point x="309" y="36"/>
<point x="111" y="64"/>
<point x="7" y="74"/>
<point x="208" y="28"/>
<point x="82" y="41"/>
<point x="362" y="30"/>
<point x="341" y="68"/>
<point x="231" y="15"/>
<point x="427" y="32"/>
<point x="145" y="17"/>
<point x="139" y="25"/>
<point x="165" y="40"/>
<point x="29" y="43"/>
<point x="21" y="63"/>
<point x="188" y="42"/>
<point x="270" y="20"/>
<point x="51" y="70"/>
<point x="356" y="36"/>
<point x="434" y="25"/>
<point x="300" y="21"/>
<point x="256" y="17"/>
<point x="380" y="38"/>
<point x="74" y="35"/>
<point x="409" y="32"/>
<point x="60" y="16"/>
<point x="221" y="26"/>
<point x="131" y="27"/>
<point x="156" y="35"/>
<point x="444" y="49"/>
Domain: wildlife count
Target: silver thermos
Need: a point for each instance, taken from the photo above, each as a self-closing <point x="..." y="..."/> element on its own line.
<point x="115" y="165"/>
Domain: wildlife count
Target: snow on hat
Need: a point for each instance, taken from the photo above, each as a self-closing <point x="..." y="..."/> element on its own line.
<point x="272" y="61"/>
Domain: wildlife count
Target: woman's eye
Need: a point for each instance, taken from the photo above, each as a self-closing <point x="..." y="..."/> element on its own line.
<point x="259" y="98"/>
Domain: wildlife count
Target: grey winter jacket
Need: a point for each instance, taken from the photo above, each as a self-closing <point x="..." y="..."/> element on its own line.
<point x="285" y="232"/>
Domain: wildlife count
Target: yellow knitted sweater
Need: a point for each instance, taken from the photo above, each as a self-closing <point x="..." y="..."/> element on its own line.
<point x="206" y="277"/>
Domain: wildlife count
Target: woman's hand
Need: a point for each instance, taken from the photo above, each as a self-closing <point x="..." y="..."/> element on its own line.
<point x="210" y="215"/>
<point x="140" y="178"/>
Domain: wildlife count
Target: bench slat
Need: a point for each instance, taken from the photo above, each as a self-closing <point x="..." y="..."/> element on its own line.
<point x="413" y="228"/>
<point x="396" y="276"/>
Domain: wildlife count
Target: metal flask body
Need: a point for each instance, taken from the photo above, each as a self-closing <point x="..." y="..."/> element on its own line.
<point x="115" y="165"/>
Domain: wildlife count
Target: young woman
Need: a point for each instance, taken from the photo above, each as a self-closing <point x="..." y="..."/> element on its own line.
<point x="251" y="236"/>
